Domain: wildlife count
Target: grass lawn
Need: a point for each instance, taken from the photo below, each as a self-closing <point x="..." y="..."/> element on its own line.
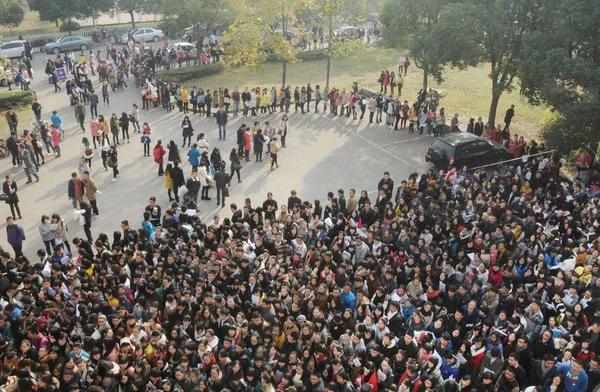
<point x="467" y="93"/>
<point x="26" y="117"/>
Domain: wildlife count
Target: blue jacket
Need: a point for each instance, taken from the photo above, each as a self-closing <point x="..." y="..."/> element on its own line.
<point x="15" y="235"/>
<point x="572" y="383"/>
<point x="349" y="299"/>
<point x="194" y="157"/>
<point x="56" y="121"/>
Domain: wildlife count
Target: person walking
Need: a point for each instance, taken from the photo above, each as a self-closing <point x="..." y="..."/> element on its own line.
<point x="75" y="190"/>
<point x="222" y="122"/>
<point x="221" y="183"/>
<point x="105" y="94"/>
<point x="91" y="192"/>
<point x="12" y="143"/>
<point x="236" y="165"/>
<point x="104" y="129"/>
<point x="187" y="131"/>
<point x="169" y="180"/>
<point x="247" y="144"/>
<point x="12" y="119"/>
<point x="27" y="161"/>
<point x="15" y="236"/>
<point x="178" y="179"/>
<point x="283" y="129"/>
<point x="10" y="188"/>
<point x="112" y="160"/>
<point x="56" y="140"/>
<point x="134" y="118"/>
<point x="275" y="147"/>
<point x="159" y="153"/>
<point x="61" y="234"/>
<point x="93" y="100"/>
<point x="46" y="232"/>
<point x="86" y="151"/>
<point x="145" y="139"/>
<point x="57" y="122"/>
<point x="96" y="132"/>
<point x="510" y="113"/>
<point x="87" y="224"/>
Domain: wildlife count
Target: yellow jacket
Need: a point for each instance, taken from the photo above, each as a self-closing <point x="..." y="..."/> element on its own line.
<point x="185" y="96"/>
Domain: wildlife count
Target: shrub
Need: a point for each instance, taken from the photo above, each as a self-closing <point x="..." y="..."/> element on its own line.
<point x="189" y="73"/>
<point x="68" y="26"/>
<point x="40" y="41"/>
<point x="308" y="55"/>
<point x="16" y="99"/>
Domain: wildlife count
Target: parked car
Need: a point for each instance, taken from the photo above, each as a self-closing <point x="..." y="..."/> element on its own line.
<point x="184" y="45"/>
<point x="459" y="149"/>
<point x="146" y="33"/>
<point x="13" y="49"/>
<point x="346" y="31"/>
<point x="71" y="42"/>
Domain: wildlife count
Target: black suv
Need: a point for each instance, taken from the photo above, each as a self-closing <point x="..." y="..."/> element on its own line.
<point x="459" y="149"/>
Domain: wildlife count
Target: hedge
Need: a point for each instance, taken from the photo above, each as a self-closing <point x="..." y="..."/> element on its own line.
<point x="188" y="73"/>
<point x="16" y="99"/>
<point x="69" y="26"/>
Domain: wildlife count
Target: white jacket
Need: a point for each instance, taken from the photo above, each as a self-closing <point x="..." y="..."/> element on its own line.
<point x="203" y="145"/>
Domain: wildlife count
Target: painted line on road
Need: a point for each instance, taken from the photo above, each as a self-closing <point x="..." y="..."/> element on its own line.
<point x="345" y="128"/>
<point x="403" y="141"/>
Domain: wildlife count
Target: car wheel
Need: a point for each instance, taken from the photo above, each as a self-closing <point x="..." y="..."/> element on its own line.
<point x="155" y="39"/>
<point x="56" y="50"/>
<point x="23" y="54"/>
<point x="3" y="83"/>
<point x="83" y="47"/>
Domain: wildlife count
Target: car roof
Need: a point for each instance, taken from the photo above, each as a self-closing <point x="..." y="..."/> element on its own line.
<point x="456" y="138"/>
<point x="19" y="41"/>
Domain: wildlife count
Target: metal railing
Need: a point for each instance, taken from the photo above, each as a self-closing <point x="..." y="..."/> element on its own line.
<point x="504" y="162"/>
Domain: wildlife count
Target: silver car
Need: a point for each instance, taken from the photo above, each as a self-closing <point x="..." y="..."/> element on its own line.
<point x="13" y="49"/>
<point x="147" y="33"/>
<point x="72" y="42"/>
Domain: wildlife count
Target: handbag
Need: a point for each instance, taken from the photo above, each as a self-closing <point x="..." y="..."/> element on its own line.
<point x="4" y="197"/>
<point x="214" y="110"/>
<point x="227" y="100"/>
<point x="237" y="166"/>
<point x="227" y="192"/>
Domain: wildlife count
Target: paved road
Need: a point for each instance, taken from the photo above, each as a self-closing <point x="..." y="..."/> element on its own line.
<point x="323" y="154"/>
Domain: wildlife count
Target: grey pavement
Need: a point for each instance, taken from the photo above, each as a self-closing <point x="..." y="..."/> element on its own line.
<point x="324" y="153"/>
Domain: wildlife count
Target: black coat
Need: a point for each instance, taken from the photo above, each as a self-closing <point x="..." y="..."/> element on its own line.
<point x="177" y="176"/>
<point x="259" y="141"/>
<point x="174" y="154"/>
<point x="12" y="198"/>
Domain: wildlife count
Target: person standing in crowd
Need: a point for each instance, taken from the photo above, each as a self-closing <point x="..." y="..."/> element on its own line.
<point x="112" y="160"/>
<point x="193" y="186"/>
<point x="93" y="100"/>
<point x="105" y="94"/>
<point x="221" y="182"/>
<point x="96" y="132"/>
<point x="145" y="139"/>
<point x="222" y="122"/>
<point x="134" y="118"/>
<point x="9" y="188"/>
<point x="236" y="165"/>
<point x="283" y="128"/>
<point x="91" y="192"/>
<point x="178" y="179"/>
<point x="87" y="225"/>
<point x="75" y="190"/>
<point x="12" y="144"/>
<point x="173" y="152"/>
<point x="510" y="113"/>
<point x="159" y="153"/>
<point x="46" y="232"/>
<point x="36" y="107"/>
<point x="12" y="120"/>
<point x="188" y="131"/>
<point x="28" y="166"/>
<point x="57" y="122"/>
<point x="15" y="236"/>
<point x="114" y="129"/>
<point x="124" y="125"/>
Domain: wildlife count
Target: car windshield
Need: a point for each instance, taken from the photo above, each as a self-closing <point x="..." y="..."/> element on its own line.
<point x="439" y="145"/>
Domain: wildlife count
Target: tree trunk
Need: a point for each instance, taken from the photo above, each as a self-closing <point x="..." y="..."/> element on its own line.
<point x="328" y="72"/>
<point x="56" y="22"/>
<point x="425" y="77"/>
<point x="494" y="106"/>
<point x="284" y="74"/>
<point x="132" y="19"/>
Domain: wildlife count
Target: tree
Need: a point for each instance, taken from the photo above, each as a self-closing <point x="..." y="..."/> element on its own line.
<point x="261" y="28"/>
<point x="207" y="14"/>
<point x="330" y="14"/>
<point x="140" y="6"/>
<point x="11" y="14"/>
<point x="488" y="31"/>
<point x="55" y="10"/>
<point x="560" y="66"/>
<point x="410" y="24"/>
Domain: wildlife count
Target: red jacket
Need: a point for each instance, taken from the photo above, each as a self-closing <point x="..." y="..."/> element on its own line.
<point x="159" y="152"/>
<point x="248" y="139"/>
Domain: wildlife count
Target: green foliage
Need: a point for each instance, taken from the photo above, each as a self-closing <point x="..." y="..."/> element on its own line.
<point x="411" y="24"/>
<point x="16" y="99"/>
<point x="69" y="26"/>
<point x="560" y="67"/>
<point x="179" y="14"/>
<point x="53" y="10"/>
<point x="131" y="6"/>
<point x="11" y="13"/>
<point x="189" y="73"/>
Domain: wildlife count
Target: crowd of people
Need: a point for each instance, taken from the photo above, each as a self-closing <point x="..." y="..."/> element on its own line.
<point x="449" y="281"/>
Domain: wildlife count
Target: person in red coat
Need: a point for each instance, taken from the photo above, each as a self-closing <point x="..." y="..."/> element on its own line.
<point x="247" y="145"/>
<point x="496" y="135"/>
<point x="159" y="152"/>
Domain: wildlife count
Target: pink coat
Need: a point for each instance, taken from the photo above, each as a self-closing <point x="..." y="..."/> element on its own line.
<point x="56" y="137"/>
<point x="95" y="128"/>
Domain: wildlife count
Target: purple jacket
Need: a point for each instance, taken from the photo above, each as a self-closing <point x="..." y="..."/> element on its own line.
<point x="15" y="235"/>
